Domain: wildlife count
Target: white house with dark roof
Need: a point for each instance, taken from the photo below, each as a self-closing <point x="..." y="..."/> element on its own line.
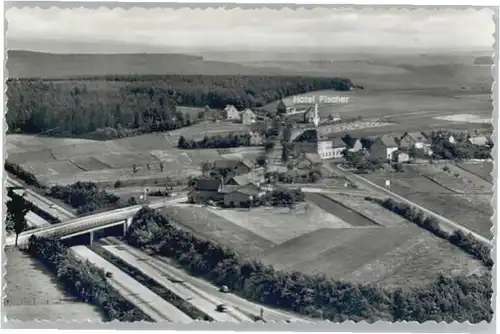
<point x="231" y="113"/>
<point x="248" y="116"/>
<point x="384" y="147"/>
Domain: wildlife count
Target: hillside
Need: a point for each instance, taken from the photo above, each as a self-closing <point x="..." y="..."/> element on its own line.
<point x="49" y="65"/>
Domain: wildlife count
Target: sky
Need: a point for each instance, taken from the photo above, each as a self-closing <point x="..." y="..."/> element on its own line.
<point x="156" y="30"/>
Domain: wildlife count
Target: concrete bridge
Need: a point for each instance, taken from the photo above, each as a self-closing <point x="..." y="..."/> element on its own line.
<point x="119" y="219"/>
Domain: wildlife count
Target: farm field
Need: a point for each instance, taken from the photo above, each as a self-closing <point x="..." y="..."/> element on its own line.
<point x="64" y="161"/>
<point x="32" y="293"/>
<point x="481" y="169"/>
<point x="330" y="205"/>
<point x="397" y="254"/>
<point x="470" y="210"/>
<point x="207" y="224"/>
<point x="378" y="214"/>
<point x="280" y="224"/>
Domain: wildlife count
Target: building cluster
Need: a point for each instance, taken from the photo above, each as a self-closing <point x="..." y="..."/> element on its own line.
<point x="236" y="184"/>
<point x="386" y="147"/>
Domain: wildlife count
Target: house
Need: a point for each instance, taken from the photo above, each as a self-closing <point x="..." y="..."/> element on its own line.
<point x="234" y="166"/>
<point x="308" y="161"/>
<point x="356" y="146"/>
<point x="242" y="196"/>
<point x="479" y="140"/>
<point x="244" y="180"/>
<point x="383" y="147"/>
<point x="400" y="156"/>
<point x="205" y="190"/>
<point x="337" y="147"/>
<point x="231" y="113"/>
<point x="414" y="139"/>
<point x="248" y="116"/>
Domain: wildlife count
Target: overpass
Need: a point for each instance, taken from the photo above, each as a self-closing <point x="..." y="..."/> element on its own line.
<point x="89" y="224"/>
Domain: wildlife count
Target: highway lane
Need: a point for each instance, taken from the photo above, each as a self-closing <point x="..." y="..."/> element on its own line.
<point x="447" y="224"/>
<point x="142" y="262"/>
<point x="35" y="220"/>
<point x="38" y="200"/>
<point x="150" y="303"/>
<point x="210" y="291"/>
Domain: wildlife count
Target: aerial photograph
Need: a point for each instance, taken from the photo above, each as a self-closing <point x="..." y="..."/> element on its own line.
<point x="178" y="165"/>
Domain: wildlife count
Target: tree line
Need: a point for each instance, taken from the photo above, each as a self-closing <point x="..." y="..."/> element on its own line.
<point x="117" y="106"/>
<point x="446" y="299"/>
<point x="466" y="242"/>
<point x="84" y="280"/>
<point x="217" y="141"/>
<point x="84" y="196"/>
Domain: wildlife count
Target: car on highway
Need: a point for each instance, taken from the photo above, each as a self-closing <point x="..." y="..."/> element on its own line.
<point x="224" y="289"/>
<point x="109" y="275"/>
<point x="221" y="308"/>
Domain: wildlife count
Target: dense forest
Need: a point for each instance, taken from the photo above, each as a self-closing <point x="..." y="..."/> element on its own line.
<point x="447" y="299"/>
<point x="124" y="105"/>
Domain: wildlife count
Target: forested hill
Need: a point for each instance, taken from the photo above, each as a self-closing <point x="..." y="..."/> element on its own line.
<point x="117" y="106"/>
<point x="23" y="64"/>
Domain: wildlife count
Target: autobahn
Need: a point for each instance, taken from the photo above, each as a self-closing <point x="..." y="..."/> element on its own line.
<point x="239" y="308"/>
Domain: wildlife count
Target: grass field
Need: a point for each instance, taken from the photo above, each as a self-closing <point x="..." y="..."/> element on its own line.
<point x="376" y="212"/>
<point x="331" y="206"/>
<point x="470" y="210"/>
<point x="212" y="226"/>
<point x="481" y="169"/>
<point x="399" y="256"/>
<point x="280" y="224"/>
<point x="31" y="293"/>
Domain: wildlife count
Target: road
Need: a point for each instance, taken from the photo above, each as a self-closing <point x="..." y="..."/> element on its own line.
<point x="41" y="202"/>
<point x="150" y="303"/>
<point x="157" y="271"/>
<point x="447" y="224"/>
<point x="206" y="289"/>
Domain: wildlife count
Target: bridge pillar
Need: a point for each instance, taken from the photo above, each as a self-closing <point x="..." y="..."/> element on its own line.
<point x="91" y="237"/>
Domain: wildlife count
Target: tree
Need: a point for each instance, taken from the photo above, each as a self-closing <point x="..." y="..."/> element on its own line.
<point x="16" y="211"/>
<point x="148" y="166"/>
<point x="261" y="161"/>
<point x="285" y="153"/>
<point x="287" y="132"/>
<point x="182" y="142"/>
<point x="281" y="108"/>
<point x="134" y="168"/>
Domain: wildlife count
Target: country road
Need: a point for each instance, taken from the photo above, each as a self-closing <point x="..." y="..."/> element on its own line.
<point x="447" y="224"/>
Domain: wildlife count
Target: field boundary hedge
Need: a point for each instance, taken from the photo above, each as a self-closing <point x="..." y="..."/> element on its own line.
<point x="22" y="174"/>
<point x="84" y="280"/>
<point x="466" y="242"/>
<point x="445" y="299"/>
